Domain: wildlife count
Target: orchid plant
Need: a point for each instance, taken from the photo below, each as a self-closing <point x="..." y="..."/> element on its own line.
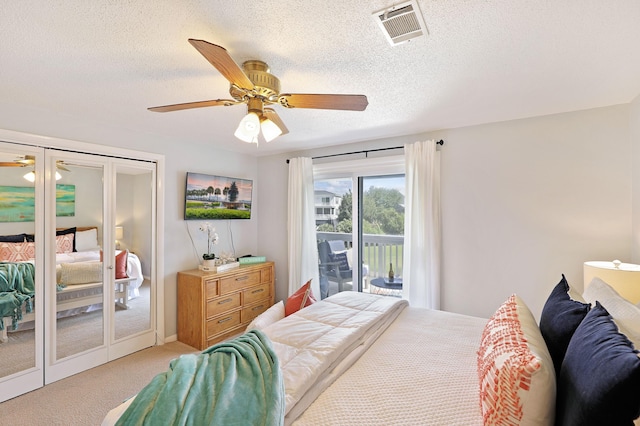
<point x="212" y="239"/>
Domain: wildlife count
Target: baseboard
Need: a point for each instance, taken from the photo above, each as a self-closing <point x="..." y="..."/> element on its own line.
<point x="172" y="338"/>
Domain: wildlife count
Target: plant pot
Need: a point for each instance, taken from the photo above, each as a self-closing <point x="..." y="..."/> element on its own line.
<point x="209" y="264"/>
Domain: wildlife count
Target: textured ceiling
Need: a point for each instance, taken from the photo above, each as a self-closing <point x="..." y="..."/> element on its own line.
<point x="105" y="62"/>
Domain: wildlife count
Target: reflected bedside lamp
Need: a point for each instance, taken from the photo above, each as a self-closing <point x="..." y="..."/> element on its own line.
<point x="119" y="236"/>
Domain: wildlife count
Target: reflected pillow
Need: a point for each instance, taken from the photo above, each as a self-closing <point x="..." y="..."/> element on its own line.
<point x="80" y="273"/>
<point x="64" y="243"/>
<point x="17" y="252"/>
<point x="19" y="238"/>
<point x="121" y="264"/>
<point x="87" y="240"/>
<point x="342" y="260"/>
<point x="68" y="231"/>
<point x="301" y="298"/>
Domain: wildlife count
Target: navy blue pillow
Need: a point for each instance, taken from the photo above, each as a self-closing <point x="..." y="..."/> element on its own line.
<point x="560" y="317"/>
<point x="599" y="381"/>
<point x="341" y="259"/>
<point x="19" y="238"/>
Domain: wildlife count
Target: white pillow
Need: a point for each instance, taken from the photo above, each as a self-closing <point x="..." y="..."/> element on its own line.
<point x="625" y="314"/>
<point x="80" y="273"/>
<point x="87" y="240"/>
<point x="268" y="317"/>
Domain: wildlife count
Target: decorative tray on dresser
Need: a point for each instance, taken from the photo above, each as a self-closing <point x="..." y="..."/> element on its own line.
<point x="215" y="306"/>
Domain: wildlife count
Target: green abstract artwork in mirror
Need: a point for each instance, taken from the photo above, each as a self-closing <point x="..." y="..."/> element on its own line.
<point x="17" y="203"/>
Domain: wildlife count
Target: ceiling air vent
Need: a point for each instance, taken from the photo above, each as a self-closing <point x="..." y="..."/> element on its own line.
<point x="401" y="22"/>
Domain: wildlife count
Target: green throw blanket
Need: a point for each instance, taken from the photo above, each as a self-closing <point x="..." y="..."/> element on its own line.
<point x="17" y="287"/>
<point x="238" y="382"/>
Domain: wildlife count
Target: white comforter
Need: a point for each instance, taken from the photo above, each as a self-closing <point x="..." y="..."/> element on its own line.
<point x="316" y="344"/>
<point x="421" y="371"/>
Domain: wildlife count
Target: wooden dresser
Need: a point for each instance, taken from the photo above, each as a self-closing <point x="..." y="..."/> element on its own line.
<point x="215" y="306"/>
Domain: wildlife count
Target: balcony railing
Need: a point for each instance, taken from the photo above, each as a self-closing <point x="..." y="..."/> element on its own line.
<point x="379" y="251"/>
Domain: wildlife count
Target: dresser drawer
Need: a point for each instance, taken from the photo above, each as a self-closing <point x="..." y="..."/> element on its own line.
<point x="238" y="281"/>
<point x="222" y="304"/>
<point x="256" y="293"/>
<point x="220" y="324"/>
<point x="250" y="312"/>
<point x="211" y="287"/>
<point x="265" y="275"/>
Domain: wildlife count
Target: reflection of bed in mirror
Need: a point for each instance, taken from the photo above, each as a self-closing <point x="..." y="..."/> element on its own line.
<point x="78" y="283"/>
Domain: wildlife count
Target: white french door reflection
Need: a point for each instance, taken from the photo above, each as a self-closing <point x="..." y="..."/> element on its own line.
<point x="103" y="307"/>
<point x="21" y="269"/>
<point x="134" y="290"/>
<point x="76" y="210"/>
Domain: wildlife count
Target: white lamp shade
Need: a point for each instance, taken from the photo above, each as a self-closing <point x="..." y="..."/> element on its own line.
<point x="270" y="130"/>
<point x="119" y="232"/>
<point x="623" y="277"/>
<point x="249" y="128"/>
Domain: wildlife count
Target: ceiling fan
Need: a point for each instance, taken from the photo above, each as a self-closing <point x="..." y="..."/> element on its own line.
<point x="254" y="85"/>
<point x="30" y="161"/>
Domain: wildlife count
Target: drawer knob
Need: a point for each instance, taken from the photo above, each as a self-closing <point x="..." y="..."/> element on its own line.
<point x="223" y="320"/>
<point x="222" y="302"/>
<point x="256" y="308"/>
<point x="246" y="277"/>
<point x="260" y="290"/>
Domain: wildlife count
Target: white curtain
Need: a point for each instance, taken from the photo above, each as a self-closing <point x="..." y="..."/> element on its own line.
<point x="303" y="251"/>
<point x="422" y="229"/>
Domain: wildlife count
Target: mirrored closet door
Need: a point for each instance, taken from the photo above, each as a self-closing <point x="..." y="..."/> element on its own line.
<point x="21" y="266"/>
<point x="78" y="269"/>
<point x="104" y="299"/>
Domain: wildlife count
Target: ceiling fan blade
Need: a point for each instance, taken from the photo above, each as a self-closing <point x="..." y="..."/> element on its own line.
<point x="60" y="166"/>
<point x="190" y="105"/>
<point x="343" y="102"/>
<point x="220" y="58"/>
<point x="272" y="115"/>
<point x="11" y="164"/>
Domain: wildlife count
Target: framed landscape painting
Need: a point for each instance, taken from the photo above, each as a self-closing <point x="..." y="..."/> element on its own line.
<point x="210" y="197"/>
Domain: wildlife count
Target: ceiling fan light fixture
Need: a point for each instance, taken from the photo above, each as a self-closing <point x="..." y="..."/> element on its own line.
<point x="31" y="176"/>
<point x="249" y="128"/>
<point x="270" y="130"/>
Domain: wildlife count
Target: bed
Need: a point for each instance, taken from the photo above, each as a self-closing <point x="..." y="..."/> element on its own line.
<point x="78" y="283"/>
<point x="387" y="363"/>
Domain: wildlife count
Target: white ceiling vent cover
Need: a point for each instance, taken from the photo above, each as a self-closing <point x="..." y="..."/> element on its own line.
<point x="401" y="22"/>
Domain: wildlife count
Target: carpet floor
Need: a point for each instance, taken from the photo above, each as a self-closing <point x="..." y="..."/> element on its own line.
<point x="85" y="398"/>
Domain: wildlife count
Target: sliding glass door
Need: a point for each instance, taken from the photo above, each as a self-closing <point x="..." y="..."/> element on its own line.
<point x="359" y="209"/>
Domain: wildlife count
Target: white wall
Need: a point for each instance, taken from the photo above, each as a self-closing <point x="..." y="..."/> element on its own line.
<point x="522" y="202"/>
<point x="634" y="130"/>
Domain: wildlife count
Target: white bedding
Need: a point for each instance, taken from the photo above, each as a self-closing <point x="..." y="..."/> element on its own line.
<point x="422" y="370"/>
<point x="313" y="342"/>
<point x="134" y="268"/>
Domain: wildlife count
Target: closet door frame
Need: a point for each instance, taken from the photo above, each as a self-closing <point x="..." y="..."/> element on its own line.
<point x="36" y="142"/>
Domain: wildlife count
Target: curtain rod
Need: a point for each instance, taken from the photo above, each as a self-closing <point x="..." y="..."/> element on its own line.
<point x="366" y="152"/>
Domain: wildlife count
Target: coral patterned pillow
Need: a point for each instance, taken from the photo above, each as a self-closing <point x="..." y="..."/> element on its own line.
<point x="64" y="243"/>
<point x="301" y="298"/>
<point x="515" y="370"/>
<point x="17" y="252"/>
